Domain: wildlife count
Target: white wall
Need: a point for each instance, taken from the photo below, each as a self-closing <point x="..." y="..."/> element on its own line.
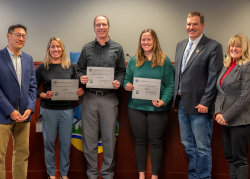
<point x="72" y="21"/>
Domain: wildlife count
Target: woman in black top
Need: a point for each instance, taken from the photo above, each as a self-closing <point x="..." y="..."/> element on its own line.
<point x="56" y="114"/>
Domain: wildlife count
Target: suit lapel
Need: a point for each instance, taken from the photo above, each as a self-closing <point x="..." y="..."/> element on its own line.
<point x="7" y="59"/>
<point x="223" y="71"/>
<point x="181" y="53"/>
<point x="196" y="51"/>
<point x="229" y="76"/>
<point x="24" y="65"/>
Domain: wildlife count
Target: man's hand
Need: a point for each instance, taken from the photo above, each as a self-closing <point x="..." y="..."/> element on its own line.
<point x="16" y="116"/>
<point x="116" y="84"/>
<point x="26" y="115"/>
<point x="219" y="118"/>
<point x="80" y="92"/>
<point x="202" y="109"/>
<point x="84" y="79"/>
<point x="158" y="103"/>
<point x="129" y="87"/>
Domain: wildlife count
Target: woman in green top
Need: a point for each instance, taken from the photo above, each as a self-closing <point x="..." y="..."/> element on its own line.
<point x="148" y="118"/>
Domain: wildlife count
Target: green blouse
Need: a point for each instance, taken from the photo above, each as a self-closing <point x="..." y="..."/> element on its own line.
<point x="165" y="73"/>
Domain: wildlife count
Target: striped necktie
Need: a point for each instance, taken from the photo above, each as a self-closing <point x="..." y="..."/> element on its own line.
<point x="183" y="63"/>
<point x="184" y="59"/>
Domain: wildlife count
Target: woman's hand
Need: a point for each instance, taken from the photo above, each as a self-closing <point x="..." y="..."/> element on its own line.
<point x="46" y="95"/>
<point x="158" y="103"/>
<point x="129" y="87"/>
<point x="219" y="118"/>
<point x="80" y="92"/>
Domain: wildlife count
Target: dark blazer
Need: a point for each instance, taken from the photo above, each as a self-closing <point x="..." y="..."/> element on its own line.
<point x="10" y="94"/>
<point x="198" y="80"/>
<point x="234" y="95"/>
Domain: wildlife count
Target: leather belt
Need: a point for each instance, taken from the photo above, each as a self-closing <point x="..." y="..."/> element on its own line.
<point x="100" y="92"/>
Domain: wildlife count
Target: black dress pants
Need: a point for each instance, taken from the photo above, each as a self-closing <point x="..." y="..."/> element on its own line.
<point x="235" y="143"/>
<point x="148" y="126"/>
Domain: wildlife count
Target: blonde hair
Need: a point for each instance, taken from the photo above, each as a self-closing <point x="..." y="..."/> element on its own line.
<point x="158" y="56"/>
<point x="47" y="60"/>
<point x="244" y="43"/>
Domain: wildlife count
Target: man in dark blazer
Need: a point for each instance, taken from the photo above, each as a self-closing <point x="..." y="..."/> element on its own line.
<point x="198" y="61"/>
<point x="17" y="100"/>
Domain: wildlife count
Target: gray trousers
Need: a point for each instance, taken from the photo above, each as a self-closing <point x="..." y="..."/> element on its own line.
<point x="99" y="112"/>
<point x="53" y="120"/>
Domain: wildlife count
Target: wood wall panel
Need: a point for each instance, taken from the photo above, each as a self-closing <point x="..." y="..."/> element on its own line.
<point x="174" y="164"/>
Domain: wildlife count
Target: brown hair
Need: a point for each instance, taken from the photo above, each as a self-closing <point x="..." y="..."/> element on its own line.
<point x="192" y="14"/>
<point x="47" y="60"/>
<point x="244" y="43"/>
<point x="158" y="56"/>
<point x="101" y="16"/>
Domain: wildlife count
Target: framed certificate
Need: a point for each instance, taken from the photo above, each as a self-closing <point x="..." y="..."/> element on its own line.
<point x="100" y="77"/>
<point x="146" y="88"/>
<point x="64" y="89"/>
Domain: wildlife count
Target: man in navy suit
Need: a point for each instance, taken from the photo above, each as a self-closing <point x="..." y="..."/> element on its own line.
<point x="198" y="62"/>
<point x="17" y="100"/>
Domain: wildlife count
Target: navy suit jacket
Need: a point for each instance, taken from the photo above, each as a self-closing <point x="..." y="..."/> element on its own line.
<point x="198" y="80"/>
<point x="10" y="94"/>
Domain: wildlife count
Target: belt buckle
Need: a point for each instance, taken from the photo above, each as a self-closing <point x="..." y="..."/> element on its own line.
<point x="99" y="93"/>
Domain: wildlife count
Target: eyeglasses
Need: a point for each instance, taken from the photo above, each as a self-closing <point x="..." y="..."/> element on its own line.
<point x="18" y="36"/>
<point x="103" y="25"/>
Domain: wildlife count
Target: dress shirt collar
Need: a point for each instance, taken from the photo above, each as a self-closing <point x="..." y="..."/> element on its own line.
<point x="196" y="41"/>
<point x="106" y="43"/>
<point x="12" y="54"/>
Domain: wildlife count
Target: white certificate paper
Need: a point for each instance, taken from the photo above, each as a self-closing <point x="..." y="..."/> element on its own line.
<point x="100" y="77"/>
<point x="64" y="89"/>
<point x="146" y="88"/>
